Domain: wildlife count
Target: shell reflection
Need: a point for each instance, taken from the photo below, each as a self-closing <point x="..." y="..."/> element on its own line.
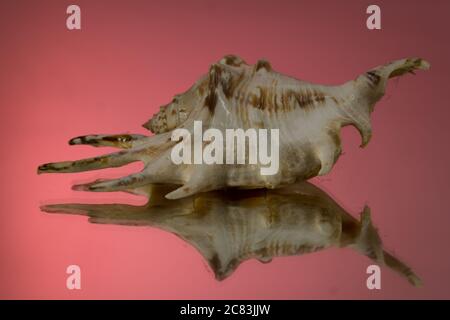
<point x="229" y="227"/>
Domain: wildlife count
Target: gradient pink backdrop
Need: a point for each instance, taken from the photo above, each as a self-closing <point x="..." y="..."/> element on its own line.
<point x="131" y="57"/>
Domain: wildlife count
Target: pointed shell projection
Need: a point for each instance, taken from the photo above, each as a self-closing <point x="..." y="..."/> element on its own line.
<point x="230" y="227"/>
<point x="235" y="95"/>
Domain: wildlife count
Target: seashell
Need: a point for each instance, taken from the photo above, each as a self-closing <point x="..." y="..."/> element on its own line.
<point x="235" y="95"/>
<point x="230" y="227"/>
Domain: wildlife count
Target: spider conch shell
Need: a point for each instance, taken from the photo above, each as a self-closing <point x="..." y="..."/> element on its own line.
<point x="232" y="226"/>
<point x="235" y="95"/>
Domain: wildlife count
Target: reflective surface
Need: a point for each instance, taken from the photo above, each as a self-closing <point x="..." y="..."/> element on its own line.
<point x="229" y="227"/>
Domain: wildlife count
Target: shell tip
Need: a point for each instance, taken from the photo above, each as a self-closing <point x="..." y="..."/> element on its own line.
<point x="424" y="64"/>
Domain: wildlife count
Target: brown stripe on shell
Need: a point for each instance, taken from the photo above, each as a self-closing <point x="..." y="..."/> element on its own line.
<point x="230" y="86"/>
<point x="263" y="64"/>
<point x="285" y="105"/>
<point x="244" y="95"/>
<point x="268" y="100"/>
<point x="213" y="81"/>
<point x="284" y="249"/>
<point x="233" y="60"/>
<point x="202" y="88"/>
<point x="220" y="76"/>
<point x="374" y="78"/>
<point x="273" y="96"/>
<point x="305" y="99"/>
<point x="120" y="138"/>
<point x="259" y="102"/>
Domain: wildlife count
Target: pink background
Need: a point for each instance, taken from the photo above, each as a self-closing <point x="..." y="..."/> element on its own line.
<point x="131" y="57"/>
